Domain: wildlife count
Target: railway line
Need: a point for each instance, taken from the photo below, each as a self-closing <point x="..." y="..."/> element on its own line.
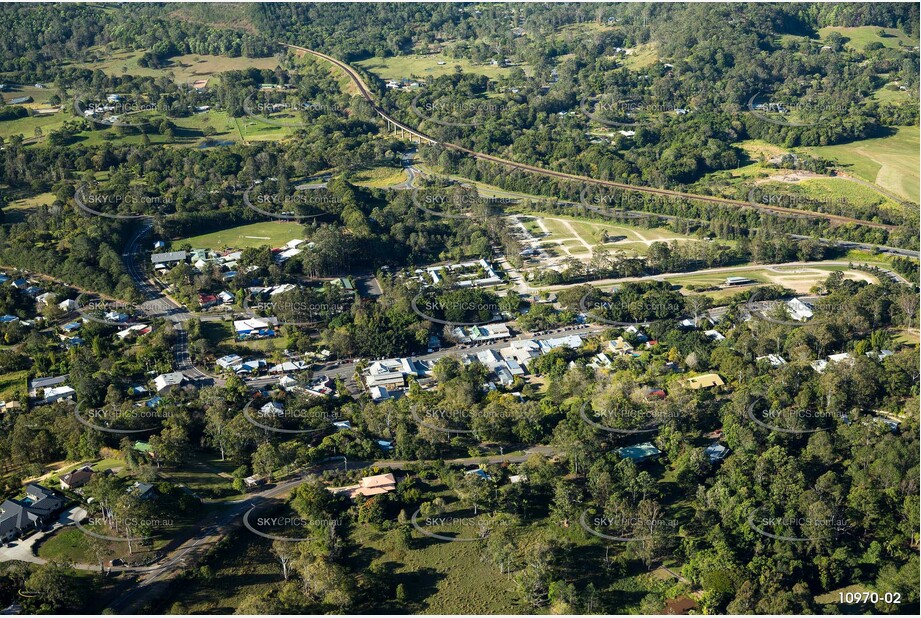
<point x="533" y="169"/>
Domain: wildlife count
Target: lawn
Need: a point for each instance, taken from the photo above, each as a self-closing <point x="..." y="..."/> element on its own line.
<point x="891" y="162"/>
<point x="271" y="233"/>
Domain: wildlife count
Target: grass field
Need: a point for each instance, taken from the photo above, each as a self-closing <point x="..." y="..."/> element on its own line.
<point x="12" y="384"/>
<point x="833" y="190"/>
<point x="17" y="210"/>
<point x="187" y="68"/>
<point x="270" y="233"/>
<point x="643" y="56"/>
<point x="798" y="278"/>
<point x="378" y="177"/>
<point x="424" y="66"/>
<point x="859" y="36"/>
<point x="26" y="126"/>
<point x="891" y="162"/>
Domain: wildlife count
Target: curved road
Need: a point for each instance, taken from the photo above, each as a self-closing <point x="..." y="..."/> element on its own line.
<point x="777" y="210"/>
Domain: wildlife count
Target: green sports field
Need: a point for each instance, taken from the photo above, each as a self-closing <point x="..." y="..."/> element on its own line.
<point x="266" y="233"/>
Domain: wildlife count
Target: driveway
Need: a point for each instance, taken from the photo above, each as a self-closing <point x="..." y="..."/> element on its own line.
<point x="24" y="549"/>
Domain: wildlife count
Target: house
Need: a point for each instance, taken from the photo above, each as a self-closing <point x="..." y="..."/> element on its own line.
<point x="77" y="478"/>
<point x="225" y="297"/>
<point x="385" y="445"/>
<point x="289" y="366"/>
<point x="707" y="380"/>
<point x="272" y="408"/>
<point x="207" y="300"/>
<point x="144" y="447"/>
<point x="478" y="472"/>
<point x="737" y="281"/>
<point x="137" y="389"/>
<point x="654" y="393"/>
<point x="229" y="362"/>
<point x="8" y="319"/>
<point x="369" y="486"/>
<point x="342" y="425"/>
<point x="166" y="382"/>
<point x="716" y="452"/>
<point x="133" y="331"/>
<point x="844" y="357"/>
<point x="798" y="310"/>
<point x="171" y="257"/>
<point x="882" y="354"/>
<point x="819" y="365"/>
<point x="20" y="516"/>
<point x="774" y="359"/>
<point x="321" y="386"/>
<point x="714" y="335"/>
<point x="71" y="327"/>
<point x="41" y="383"/>
<point x="255" y="327"/>
<point x="56" y="393"/>
<point x="379" y="393"/>
<point x="46" y="298"/>
<point x="639" y="453"/>
<point x="144" y="491"/>
<point x="619" y="347"/>
<point x="68" y="305"/>
<point x="254" y="481"/>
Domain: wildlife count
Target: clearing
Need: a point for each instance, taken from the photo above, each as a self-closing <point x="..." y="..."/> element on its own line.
<point x="267" y="233"/>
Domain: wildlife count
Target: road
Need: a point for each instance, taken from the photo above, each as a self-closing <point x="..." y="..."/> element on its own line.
<point x="777" y="210"/>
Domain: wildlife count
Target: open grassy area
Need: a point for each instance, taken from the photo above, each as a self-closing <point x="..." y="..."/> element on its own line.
<point x="859" y="36"/>
<point x="187" y="68"/>
<point x="891" y="162"/>
<point x="378" y="177"/>
<point x="643" y="56"/>
<point x="12" y="384"/>
<point x="26" y="126"/>
<point x="268" y="233"/>
<point x="424" y="66"/>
